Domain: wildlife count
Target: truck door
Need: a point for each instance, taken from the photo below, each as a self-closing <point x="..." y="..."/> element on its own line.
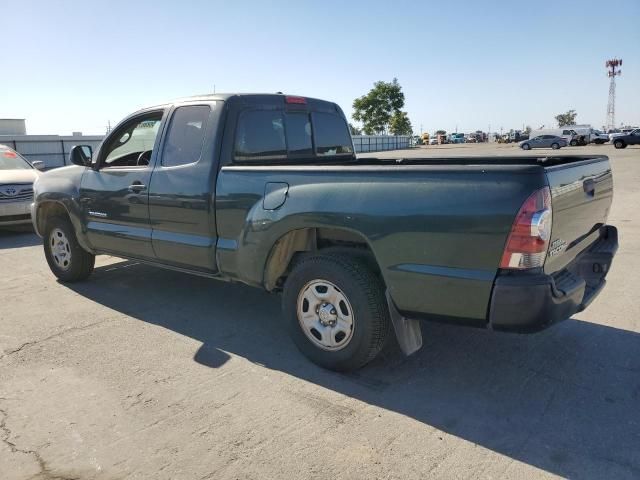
<point x="114" y="194"/>
<point x="181" y="205"/>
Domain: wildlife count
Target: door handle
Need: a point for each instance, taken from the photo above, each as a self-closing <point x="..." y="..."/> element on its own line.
<point x="589" y="187"/>
<point x="136" y="187"/>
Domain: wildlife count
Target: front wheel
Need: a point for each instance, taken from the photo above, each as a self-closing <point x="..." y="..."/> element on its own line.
<point x="336" y="310"/>
<point x="526" y="146"/>
<point x="66" y="258"/>
<point x="555" y="146"/>
<point x="619" y="144"/>
<point x="573" y="143"/>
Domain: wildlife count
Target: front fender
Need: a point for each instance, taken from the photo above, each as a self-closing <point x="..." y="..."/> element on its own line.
<point x="62" y="188"/>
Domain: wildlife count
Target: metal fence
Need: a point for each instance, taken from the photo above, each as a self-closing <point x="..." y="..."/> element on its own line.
<point x="378" y="143"/>
<point x="53" y="150"/>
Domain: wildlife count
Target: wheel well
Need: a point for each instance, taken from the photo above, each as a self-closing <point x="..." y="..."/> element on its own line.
<point x="49" y="210"/>
<point x="297" y="242"/>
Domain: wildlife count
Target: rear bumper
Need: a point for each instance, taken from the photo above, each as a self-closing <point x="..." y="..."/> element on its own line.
<point x="528" y="302"/>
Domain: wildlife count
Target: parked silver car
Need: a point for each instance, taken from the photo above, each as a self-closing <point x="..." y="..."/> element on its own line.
<point x="16" y="187"/>
<point x="543" y="141"/>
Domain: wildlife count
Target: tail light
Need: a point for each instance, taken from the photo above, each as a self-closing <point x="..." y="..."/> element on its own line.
<point x="529" y="238"/>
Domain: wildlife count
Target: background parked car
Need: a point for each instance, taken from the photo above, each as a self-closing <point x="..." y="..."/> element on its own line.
<point x="544" y="141"/>
<point x="568" y="134"/>
<point x="599" y="137"/>
<point x="618" y="132"/>
<point x="456" y="138"/>
<point x="17" y="175"/>
<point x="631" y="138"/>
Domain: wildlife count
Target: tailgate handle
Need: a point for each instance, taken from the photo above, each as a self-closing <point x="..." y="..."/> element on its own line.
<point x="589" y="187"/>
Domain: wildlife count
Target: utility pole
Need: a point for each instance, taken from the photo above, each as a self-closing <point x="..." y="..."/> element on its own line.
<point x="613" y="70"/>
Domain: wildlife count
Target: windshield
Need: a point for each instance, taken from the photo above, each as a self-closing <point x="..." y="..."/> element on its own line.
<point x="10" y="160"/>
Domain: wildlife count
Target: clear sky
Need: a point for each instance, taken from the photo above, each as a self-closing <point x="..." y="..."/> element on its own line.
<point x="74" y="65"/>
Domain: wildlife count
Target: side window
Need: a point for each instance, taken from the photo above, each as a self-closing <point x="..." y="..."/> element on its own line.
<point x="260" y="136"/>
<point x="299" y="134"/>
<point x="331" y="135"/>
<point x="132" y="144"/>
<point x="566" y="132"/>
<point x="186" y="135"/>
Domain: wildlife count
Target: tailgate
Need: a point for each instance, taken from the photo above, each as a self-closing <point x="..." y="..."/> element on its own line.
<point x="581" y="195"/>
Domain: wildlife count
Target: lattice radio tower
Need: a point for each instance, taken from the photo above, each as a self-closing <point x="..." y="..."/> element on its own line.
<point x="613" y="70"/>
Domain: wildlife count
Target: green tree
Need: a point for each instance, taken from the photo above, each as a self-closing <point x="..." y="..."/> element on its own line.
<point x="527" y="129"/>
<point x="568" y="118"/>
<point x="354" y="130"/>
<point x="441" y="132"/>
<point x="376" y="108"/>
<point x="400" y="124"/>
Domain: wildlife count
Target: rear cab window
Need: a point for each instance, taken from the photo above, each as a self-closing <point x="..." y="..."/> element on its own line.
<point x="331" y="134"/>
<point x="260" y="136"/>
<point x="290" y="136"/>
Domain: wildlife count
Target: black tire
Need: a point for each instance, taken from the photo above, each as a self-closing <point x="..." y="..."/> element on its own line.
<point x="573" y="143"/>
<point x="365" y="293"/>
<point x="555" y="146"/>
<point x="80" y="262"/>
<point x="526" y="146"/>
<point x="619" y="144"/>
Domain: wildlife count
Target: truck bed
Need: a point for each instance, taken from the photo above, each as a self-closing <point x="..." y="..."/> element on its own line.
<point x="544" y="161"/>
<point x="437" y="226"/>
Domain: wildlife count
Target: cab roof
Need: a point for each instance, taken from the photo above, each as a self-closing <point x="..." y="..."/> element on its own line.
<point x="250" y="98"/>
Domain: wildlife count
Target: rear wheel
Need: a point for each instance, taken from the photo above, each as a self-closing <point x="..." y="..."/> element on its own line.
<point x="619" y="144"/>
<point x="336" y="311"/>
<point x="555" y="146"/>
<point x="526" y="146"/>
<point x="66" y="258"/>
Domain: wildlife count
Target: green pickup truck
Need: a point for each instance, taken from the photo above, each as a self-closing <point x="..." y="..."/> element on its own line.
<point x="266" y="190"/>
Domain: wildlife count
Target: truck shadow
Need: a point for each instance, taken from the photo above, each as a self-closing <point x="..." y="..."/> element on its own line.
<point x="564" y="400"/>
<point x="17" y="237"/>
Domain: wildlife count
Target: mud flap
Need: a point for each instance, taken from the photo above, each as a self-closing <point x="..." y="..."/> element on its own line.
<point x="408" y="331"/>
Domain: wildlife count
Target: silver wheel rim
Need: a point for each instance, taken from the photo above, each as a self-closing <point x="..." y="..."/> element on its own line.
<point x="325" y="315"/>
<point x="60" y="249"/>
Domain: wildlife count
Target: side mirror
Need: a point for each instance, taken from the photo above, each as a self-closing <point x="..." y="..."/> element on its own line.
<point x="81" y="155"/>
<point x="38" y="164"/>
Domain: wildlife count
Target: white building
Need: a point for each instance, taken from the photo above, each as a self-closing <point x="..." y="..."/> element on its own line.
<point x="12" y="126"/>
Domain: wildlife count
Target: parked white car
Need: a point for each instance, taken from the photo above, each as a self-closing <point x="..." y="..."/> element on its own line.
<point x="17" y="175"/>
